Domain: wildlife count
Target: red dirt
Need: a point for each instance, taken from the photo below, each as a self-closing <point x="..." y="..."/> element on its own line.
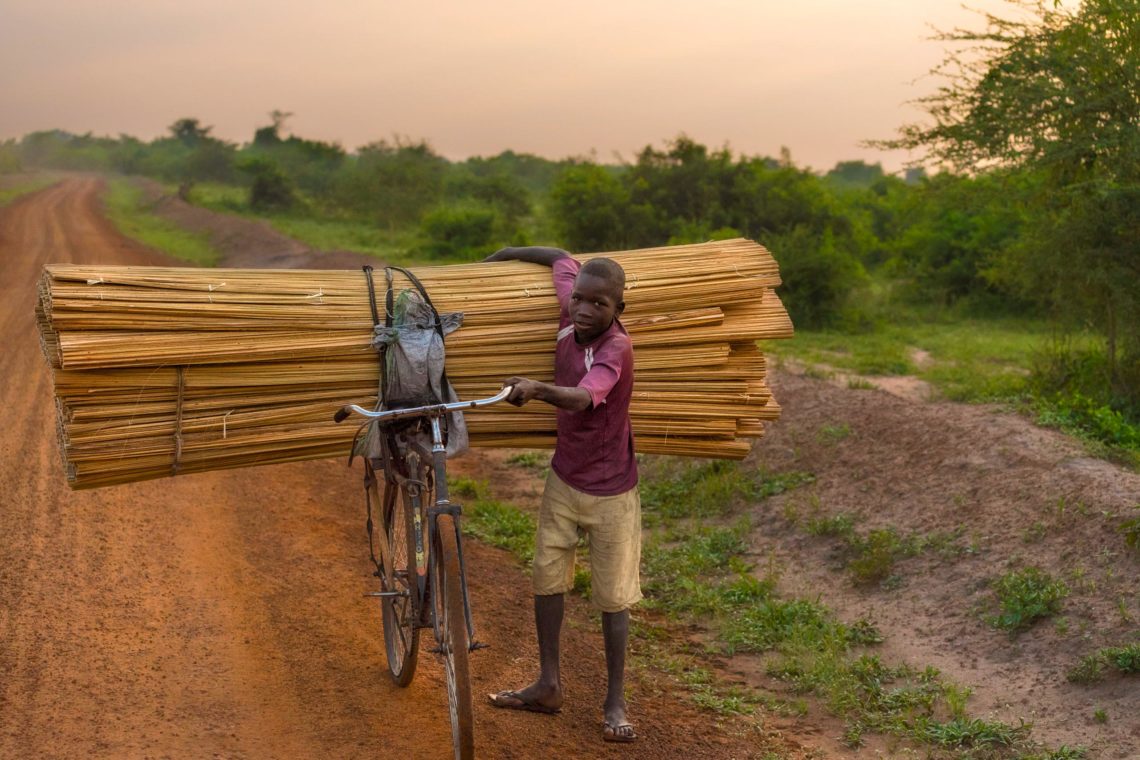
<point x="221" y="615"/>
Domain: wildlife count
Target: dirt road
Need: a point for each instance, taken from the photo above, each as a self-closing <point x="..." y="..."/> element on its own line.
<point x="221" y="615"/>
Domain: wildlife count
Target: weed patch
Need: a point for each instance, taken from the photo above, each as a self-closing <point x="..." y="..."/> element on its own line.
<point x="494" y="522"/>
<point x="1025" y="596"/>
<point x="834" y="433"/>
<point x="531" y="460"/>
<point x="1092" y="668"/>
<point x="1130" y="529"/>
<point x="671" y="490"/>
<point x="871" y="557"/>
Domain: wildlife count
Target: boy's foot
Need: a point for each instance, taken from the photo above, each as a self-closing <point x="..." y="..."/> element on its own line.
<point x="529" y="699"/>
<point x="615" y="727"/>
<point x="621" y="732"/>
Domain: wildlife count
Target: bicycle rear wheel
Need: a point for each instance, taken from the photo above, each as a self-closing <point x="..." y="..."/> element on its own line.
<point x="448" y="593"/>
<point x="401" y="636"/>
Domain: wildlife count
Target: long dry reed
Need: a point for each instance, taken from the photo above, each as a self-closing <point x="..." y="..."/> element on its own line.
<point x="162" y="371"/>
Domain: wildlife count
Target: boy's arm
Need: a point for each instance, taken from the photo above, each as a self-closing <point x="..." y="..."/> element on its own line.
<point x="571" y="399"/>
<point x="532" y="254"/>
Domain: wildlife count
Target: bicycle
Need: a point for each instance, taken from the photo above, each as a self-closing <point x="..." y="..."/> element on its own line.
<point x="423" y="581"/>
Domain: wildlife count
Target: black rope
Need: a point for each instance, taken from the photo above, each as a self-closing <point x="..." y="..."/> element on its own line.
<point x="178" y="421"/>
<point x="371" y="294"/>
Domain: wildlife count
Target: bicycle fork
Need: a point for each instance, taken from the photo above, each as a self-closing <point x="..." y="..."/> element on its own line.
<point x="444" y="506"/>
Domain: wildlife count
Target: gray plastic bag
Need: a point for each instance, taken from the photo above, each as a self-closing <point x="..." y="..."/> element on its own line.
<point x="415" y="368"/>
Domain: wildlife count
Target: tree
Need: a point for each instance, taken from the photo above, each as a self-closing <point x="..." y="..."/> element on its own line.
<point x="593" y="211"/>
<point x="393" y="182"/>
<point x="1055" y="93"/>
<point x="271" y="135"/>
<point x="189" y="131"/>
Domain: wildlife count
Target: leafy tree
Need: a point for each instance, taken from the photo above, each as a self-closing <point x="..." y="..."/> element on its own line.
<point x="1056" y="92"/>
<point x="392" y="182"/>
<point x="189" y="131"/>
<point x="593" y="210"/>
<point x="855" y="174"/>
<point x="957" y="230"/>
<point x="499" y="190"/>
<point x="534" y="173"/>
<point x="269" y="136"/>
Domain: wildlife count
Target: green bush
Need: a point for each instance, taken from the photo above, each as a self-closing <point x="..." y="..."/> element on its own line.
<point x="271" y="189"/>
<point x="819" y="278"/>
<point x="458" y="232"/>
<point x="10" y="157"/>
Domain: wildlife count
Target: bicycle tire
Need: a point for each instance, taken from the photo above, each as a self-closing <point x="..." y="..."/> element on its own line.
<point x="454" y="646"/>
<point x="401" y="636"/>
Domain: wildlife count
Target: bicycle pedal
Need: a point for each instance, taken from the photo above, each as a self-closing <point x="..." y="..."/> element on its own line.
<point x="382" y="593"/>
<point x="478" y="645"/>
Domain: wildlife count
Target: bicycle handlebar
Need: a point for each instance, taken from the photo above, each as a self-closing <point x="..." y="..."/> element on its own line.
<point x="421" y="411"/>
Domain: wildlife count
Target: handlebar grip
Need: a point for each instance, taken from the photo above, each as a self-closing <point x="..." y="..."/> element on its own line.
<point x="341" y="414"/>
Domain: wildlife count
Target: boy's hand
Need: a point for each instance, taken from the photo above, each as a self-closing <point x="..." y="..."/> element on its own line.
<point x="524" y="390"/>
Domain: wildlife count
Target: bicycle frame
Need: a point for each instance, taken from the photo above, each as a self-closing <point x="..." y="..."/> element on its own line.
<point x="413" y="484"/>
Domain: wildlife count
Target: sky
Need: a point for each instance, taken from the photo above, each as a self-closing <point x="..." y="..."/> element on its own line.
<point x="553" y="78"/>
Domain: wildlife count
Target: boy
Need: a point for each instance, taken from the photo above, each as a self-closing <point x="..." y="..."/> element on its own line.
<point x="592" y="486"/>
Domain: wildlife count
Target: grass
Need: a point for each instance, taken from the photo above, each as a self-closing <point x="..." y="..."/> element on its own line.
<point x="492" y="521"/>
<point x="833" y="434"/>
<point x="673" y="488"/>
<point x="530" y="460"/>
<point x="128" y="211"/>
<point x="982" y="360"/>
<point x="1026" y="596"/>
<point x="326" y="232"/>
<point x="1092" y="668"/>
<point x="968" y="360"/>
<point x="870" y="557"/>
<point x="23" y="187"/>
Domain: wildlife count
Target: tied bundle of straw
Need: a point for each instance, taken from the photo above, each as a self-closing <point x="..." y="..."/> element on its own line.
<point x="161" y="371"/>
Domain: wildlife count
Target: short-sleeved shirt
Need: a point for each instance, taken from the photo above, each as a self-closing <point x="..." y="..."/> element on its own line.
<point x="594" y="452"/>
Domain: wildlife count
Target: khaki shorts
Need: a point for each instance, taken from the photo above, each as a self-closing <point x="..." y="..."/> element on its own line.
<point x="613" y="524"/>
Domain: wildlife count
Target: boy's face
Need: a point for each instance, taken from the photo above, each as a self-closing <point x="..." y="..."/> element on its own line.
<point x="594" y="303"/>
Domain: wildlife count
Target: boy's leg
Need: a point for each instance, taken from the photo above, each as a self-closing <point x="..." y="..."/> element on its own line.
<point x="548" y="611"/>
<point x="615" y="629"/>
<point x="553" y="575"/>
<point x="615" y="554"/>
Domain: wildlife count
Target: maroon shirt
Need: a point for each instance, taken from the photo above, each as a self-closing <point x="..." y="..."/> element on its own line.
<point x="594" y="453"/>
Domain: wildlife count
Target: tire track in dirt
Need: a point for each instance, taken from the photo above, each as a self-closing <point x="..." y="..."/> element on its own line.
<point x="222" y="614"/>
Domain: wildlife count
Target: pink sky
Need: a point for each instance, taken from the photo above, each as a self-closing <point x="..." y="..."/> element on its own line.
<point x="552" y="78"/>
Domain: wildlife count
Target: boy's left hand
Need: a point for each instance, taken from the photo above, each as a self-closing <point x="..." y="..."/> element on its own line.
<point x="525" y="390"/>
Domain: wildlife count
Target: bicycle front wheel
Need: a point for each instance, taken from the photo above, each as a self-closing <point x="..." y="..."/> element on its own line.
<point x="448" y="593"/>
<point x="401" y="637"/>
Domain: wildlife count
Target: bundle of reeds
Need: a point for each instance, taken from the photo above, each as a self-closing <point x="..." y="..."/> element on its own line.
<point x="161" y="371"/>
